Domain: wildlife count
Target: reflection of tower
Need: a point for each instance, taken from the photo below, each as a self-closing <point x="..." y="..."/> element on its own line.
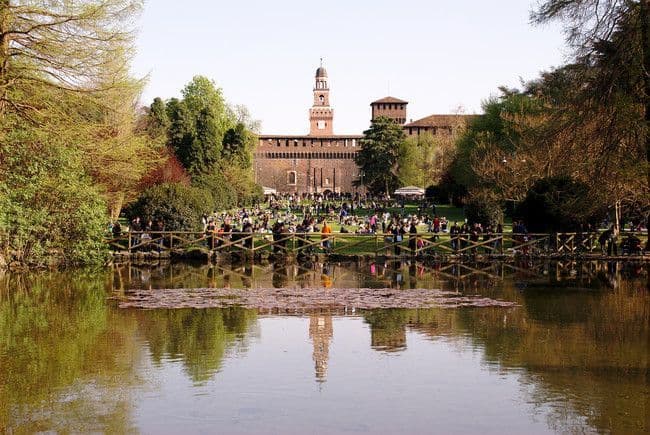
<point x="321" y="332"/>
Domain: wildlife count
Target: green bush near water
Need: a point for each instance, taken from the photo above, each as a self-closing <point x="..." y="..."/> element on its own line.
<point x="180" y="207"/>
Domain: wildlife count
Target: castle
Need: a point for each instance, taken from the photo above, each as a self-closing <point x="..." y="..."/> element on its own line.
<point x="322" y="162"/>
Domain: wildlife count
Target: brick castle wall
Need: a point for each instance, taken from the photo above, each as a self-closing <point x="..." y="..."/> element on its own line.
<point x="307" y="164"/>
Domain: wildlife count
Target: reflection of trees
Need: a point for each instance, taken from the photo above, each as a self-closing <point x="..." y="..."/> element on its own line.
<point x="387" y="329"/>
<point x="591" y="349"/>
<point x="61" y="345"/>
<point x="200" y="337"/>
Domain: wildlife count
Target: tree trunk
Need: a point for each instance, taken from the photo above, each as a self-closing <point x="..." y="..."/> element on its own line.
<point x="4" y="52"/>
<point x="644" y="18"/>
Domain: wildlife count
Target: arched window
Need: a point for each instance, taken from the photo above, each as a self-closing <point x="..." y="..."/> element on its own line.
<point x="291" y="178"/>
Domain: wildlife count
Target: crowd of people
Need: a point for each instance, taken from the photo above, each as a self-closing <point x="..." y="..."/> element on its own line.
<point x="299" y="216"/>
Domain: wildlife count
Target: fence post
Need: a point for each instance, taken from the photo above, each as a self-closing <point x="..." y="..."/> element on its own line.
<point x="129" y="244"/>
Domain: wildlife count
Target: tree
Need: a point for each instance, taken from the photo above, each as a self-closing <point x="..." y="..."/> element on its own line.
<point x="69" y="46"/>
<point x="558" y="204"/>
<point x="180" y="207"/>
<point x="181" y="131"/>
<point x="198" y="124"/>
<point x="238" y="143"/>
<point x="410" y="164"/>
<point x="157" y="120"/>
<point x="379" y="154"/>
<point x="611" y="39"/>
<point x="49" y="210"/>
<point x="65" y="93"/>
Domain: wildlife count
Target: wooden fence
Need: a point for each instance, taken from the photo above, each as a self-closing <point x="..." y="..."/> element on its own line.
<point x="423" y="244"/>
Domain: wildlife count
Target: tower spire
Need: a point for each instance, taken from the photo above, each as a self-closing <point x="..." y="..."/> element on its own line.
<point x="320" y="114"/>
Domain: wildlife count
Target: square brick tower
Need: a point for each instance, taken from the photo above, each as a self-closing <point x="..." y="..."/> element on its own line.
<point x="390" y="107"/>
<point x="321" y="115"/>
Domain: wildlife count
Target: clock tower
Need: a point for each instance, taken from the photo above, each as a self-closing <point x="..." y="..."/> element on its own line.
<point x="321" y="114"/>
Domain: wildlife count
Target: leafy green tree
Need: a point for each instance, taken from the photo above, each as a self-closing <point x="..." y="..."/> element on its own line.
<point x="379" y="155"/>
<point x="238" y="143"/>
<point x="157" y="119"/>
<point x="198" y="124"/>
<point x="206" y="146"/>
<point x="410" y="170"/>
<point x="202" y="93"/>
<point x="489" y="140"/>
<point x="179" y="207"/>
<point x="181" y="131"/>
<point x="220" y="191"/>
<point x="50" y="212"/>
<point x="64" y="86"/>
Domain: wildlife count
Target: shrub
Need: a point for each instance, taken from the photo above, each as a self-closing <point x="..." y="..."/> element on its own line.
<point x="558" y="204"/>
<point x="221" y="195"/>
<point x="482" y="207"/>
<point x="49" y="211"/>
<point x="180" y="207"/>
<point x="447" y="191"/>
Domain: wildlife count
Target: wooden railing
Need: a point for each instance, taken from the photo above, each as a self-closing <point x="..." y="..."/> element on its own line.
<point x="506" y="244"/>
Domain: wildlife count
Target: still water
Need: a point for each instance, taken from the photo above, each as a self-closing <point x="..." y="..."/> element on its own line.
<point x="564" y="348"/>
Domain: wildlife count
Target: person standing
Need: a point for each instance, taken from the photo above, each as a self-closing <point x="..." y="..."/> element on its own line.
<point x="326" y="231"/>
<point x="454" y="231"/>
<point x="413" y="231"/>
<point x="612" y="248"/>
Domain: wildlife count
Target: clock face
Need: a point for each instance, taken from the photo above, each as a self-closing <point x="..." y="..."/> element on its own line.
<point x="320" y="125"/>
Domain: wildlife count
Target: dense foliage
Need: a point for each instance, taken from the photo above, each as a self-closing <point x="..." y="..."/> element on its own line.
<point x="56" y="212"/>
<point x="558" y="204"/>
<point x="379" y="155"/>
<point x="484" y="208"/>
<point x="211" y="146"/>
<point x="179" y="207"/>
<point x="70" y="150"/>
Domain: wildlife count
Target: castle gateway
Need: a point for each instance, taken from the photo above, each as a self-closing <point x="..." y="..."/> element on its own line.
<point x="322" y="162"/>
<point x="319" y="162"/>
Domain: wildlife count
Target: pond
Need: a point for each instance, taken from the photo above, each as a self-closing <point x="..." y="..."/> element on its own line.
<point x="327" y="348"/>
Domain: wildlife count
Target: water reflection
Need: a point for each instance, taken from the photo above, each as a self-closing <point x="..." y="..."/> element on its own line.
<point x="321" y="332"/>
<point x="62" y="353"/>
<point x="574" y="352"/>
<point x="201" y="339"/>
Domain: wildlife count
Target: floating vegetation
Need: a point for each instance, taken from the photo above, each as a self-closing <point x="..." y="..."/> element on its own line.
<point x="309" y="298"/>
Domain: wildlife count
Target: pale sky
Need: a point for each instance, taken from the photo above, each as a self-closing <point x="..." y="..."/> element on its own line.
<point x="438" y="55"/>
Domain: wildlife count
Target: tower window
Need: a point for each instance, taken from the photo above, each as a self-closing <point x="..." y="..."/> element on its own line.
<point x="291" y="178"/>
